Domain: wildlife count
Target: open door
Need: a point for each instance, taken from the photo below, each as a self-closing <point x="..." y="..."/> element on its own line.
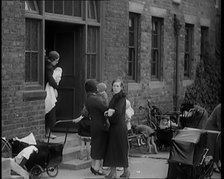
<point x="69" y="42"/>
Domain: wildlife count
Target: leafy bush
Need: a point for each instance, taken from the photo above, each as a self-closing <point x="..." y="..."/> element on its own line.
<point x="206" y="89"/>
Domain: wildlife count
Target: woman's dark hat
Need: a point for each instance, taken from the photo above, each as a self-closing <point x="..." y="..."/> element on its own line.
<point x="53" y="55"/>
<point x="90" y="86"/>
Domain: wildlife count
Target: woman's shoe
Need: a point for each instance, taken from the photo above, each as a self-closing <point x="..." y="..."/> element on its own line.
<point x="126" y="174"/>
<point x="92" y="170"/>
<point x="111" y="176"/>
<point x="96" y="172"/>
<point x="99" y="172"/>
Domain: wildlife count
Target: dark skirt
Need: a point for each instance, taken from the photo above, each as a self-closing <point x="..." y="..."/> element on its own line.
<point x="117" y="149"/>
<point x="50" y="118"/>
<point x="98" y="144"/>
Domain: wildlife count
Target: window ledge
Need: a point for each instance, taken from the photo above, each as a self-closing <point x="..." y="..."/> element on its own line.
<point x="133" y="86"/>
<point x="187" y="82"/>
<point x="32" y="95"/>
<point x="156" y="84"/>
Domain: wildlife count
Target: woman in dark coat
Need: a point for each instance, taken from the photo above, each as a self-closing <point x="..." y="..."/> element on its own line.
<point x="117" y="149"/>
<point x="96" y="108"/>
<point x="50" y="64"/>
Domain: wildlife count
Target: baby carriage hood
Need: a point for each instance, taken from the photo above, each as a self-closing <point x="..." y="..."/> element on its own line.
<point x="188" y="147"/>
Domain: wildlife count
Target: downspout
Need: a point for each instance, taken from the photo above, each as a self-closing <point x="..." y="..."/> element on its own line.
<point x="177" y="27"/>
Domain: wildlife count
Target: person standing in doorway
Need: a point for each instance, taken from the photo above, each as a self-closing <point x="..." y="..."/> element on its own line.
<point x="117" y="148"/>
<point x="50" y="115"/>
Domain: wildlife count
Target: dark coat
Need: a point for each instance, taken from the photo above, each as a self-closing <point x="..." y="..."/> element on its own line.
<point x="117" y="149"/>
<point x="96" y="108"/>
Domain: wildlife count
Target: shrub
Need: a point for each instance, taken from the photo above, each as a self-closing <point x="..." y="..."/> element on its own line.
<point x="206" y="89"/>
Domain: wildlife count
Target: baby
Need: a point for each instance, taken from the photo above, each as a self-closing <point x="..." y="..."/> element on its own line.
<point x="52" y="93"/>
<point x="101" y="89"/>
<point x="128" y="114"/>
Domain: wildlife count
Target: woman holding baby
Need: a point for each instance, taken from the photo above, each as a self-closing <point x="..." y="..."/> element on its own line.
<point x="52" y="79"/>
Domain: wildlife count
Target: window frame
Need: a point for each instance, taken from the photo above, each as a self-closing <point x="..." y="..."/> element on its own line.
<point x="204" y="40"/>
<point x="159" y="37"/>
<point x="189" y="40"/>
<point x="37" y="16"/>
<point x="90" y="53"/>
<point x="132" y="74"/>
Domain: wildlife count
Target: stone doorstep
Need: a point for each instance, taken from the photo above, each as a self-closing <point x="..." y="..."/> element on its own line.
<point x="16" y="177"/>
<point x="75" y="164"/>
<point x="71" y="141"/>
<point x="6" y="168"/>
<point x="71" y="153"/>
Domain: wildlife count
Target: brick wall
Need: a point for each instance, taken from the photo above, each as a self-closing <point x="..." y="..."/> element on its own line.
<point x="116" y="45"/>
<point x="19" y="118"/>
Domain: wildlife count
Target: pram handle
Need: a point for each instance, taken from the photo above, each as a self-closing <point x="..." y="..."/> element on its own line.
<point x="58" y="122"/>
<point x="204" y="156"/>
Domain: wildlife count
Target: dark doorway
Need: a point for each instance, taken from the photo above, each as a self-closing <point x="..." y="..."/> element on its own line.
<point x="68" y="40"/>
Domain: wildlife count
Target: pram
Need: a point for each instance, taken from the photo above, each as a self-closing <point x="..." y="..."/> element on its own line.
<point x="188" y="155"/>
<point x="47" y="159"/>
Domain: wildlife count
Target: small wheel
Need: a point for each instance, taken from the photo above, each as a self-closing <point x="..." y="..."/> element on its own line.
<point x="52" y="171"/>
<point x="36" y="172"/>
<point x="6" y="149"/>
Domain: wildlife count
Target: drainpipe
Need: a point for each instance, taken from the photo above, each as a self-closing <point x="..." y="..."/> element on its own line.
<point x="177" y="27"/>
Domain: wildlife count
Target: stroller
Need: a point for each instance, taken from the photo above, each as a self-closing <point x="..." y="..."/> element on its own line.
<point x="188" y="156"/>
<point x="166" y="129"/>
<point x="47" y="159"/>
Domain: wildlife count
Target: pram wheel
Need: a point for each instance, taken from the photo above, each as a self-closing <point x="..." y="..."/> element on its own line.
<point x="52" y="171"/>
<point x="36" y="172"/>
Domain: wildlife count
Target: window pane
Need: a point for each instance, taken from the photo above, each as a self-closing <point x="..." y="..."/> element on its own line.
<point x="27" y="34"/>
<point x="88" y="67"/>
<point x="34" y="36"/>
<point x="49" y="6"/>
<point x="93" y="66"/>
<point x="131" y="61"/>
<point x="27" y="67"/>
<point x="156" y="46"/>
<point x="153" y="69"/>
<point x="154" y="41"/>
<point x="131" y="24"/>
<point x="91" y="46"/>
<point x="34" y="67"/>
<point x="77" y="8"/>
<point x="186" y="65"/>
<point x="131" y="38"/>
<point x="58" y="7"/>
<point x="31" y="5"/>
<point x="92" y="9"/>
<point x="68" y="7"/>
<point x="32" y="50"/>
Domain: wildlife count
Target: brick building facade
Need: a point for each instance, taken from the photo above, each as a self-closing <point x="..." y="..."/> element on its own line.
<point x="134" y="40"/>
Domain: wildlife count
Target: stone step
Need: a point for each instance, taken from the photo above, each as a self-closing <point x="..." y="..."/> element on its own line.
<point x="76" y="164"/>
<point x="6" y="168"/>
<point x="16" y="177"/>
<point x="71" y="153"/>
<point x="71" y="141"/>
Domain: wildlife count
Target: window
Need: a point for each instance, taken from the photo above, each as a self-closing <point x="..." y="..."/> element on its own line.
<point x="92" y="44"/>
<point x="65" y="7"/>
<point x="33" y="58"/>
<point x="156" y="64"/>
<point x="31" y="6"/>
<point x="133" y="46"/>
<point x="204" y="40"/>
<point x="189" y="29"/>
<point x="92" y="10"/>
<point x="32" y="50"/>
